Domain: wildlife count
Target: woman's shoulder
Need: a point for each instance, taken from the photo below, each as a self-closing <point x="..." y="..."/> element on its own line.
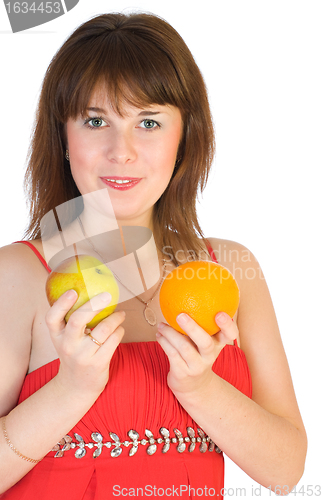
<point x="227" y="251"/>
<point x="22" y="282"/>
<point x="239" y="259"/>
<point x="18" y="259"/>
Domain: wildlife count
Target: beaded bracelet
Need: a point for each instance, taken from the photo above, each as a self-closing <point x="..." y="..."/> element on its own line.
<point x="9" y="443"/>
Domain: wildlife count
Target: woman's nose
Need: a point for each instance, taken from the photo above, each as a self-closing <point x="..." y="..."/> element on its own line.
<point x="121" y="147"/>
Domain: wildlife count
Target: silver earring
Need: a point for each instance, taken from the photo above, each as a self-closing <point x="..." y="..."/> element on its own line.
<point x="67" y="155"/>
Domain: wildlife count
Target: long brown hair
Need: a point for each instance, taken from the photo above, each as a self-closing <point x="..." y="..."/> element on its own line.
<point x="141" y="60"/>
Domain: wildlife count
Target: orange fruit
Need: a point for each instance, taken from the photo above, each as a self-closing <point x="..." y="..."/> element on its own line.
<point x="201" y="289"/>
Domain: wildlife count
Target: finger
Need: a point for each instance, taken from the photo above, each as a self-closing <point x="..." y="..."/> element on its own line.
<point x="229" y="330"/>
<point x="55" y="316"/>
<point x="181" y="343"/>
<point x="80" y="317"/>
<point x="203" y="341"/>
<point x="105" y="352"/>
<point x="103" y="331"/>
<point x="175" y="357"/>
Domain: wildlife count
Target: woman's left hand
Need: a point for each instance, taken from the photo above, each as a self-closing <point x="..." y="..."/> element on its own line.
<point x="192" y="356"/>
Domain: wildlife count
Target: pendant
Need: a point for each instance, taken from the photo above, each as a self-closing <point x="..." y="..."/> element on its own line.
<point x="150" y="316"/>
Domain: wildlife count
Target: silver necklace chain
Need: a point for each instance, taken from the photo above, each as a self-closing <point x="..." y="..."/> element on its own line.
<point x="149" y="314"/>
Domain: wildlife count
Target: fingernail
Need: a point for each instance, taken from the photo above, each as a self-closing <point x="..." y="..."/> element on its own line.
<point x="220" y="318"/>
<point x="160" y="326"/>
<point x="71" y="294"/>
<point x="105" y="297"/>
<point x="182" y="318"/>
<point x="101" y="300"/>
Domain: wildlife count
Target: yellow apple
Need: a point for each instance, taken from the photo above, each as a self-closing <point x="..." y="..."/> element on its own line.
<point x="88" y="277"/>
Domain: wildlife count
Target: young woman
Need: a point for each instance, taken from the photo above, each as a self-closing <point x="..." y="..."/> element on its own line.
<point x="135" y="408"/>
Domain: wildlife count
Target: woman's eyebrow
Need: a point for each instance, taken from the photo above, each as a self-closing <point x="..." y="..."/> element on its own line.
<point x="149" y="113"/>
<point x="142" y="113"/>
<point x="97" y="110"/>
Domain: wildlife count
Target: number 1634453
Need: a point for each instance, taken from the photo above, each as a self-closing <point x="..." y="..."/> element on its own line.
<point x="35" y="7"/>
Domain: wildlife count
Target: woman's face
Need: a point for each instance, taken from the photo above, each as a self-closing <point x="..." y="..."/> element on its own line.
<point x="133" y="156"/>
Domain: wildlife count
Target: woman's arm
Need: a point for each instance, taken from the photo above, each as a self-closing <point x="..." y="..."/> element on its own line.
<point x="264" y="435"/>
<point x="39" y="422"/>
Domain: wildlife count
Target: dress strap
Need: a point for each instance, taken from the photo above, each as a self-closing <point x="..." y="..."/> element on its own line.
<point x="34" y="249"/>
<point x="210" y="250"/>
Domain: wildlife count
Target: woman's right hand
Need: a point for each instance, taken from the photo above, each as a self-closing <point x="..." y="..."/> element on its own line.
<point x="84" y="366"/>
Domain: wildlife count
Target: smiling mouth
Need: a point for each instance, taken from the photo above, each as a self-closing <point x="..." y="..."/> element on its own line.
<point x="121" y="182"/>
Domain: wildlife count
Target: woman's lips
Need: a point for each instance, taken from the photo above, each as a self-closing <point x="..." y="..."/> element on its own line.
<point x="121" y="183"/>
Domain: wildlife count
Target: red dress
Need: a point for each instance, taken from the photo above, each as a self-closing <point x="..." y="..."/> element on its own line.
<point x="136" y="398"/>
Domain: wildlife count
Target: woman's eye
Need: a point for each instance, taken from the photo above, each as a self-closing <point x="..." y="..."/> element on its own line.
<point x="95" y="122"/>
<point x="150" y="124"/>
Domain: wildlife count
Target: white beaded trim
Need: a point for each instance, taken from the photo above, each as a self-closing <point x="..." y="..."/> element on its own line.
<point x="205" y="443"/>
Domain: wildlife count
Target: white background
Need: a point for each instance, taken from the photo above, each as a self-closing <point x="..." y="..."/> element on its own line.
<point x="262" y="62"/>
